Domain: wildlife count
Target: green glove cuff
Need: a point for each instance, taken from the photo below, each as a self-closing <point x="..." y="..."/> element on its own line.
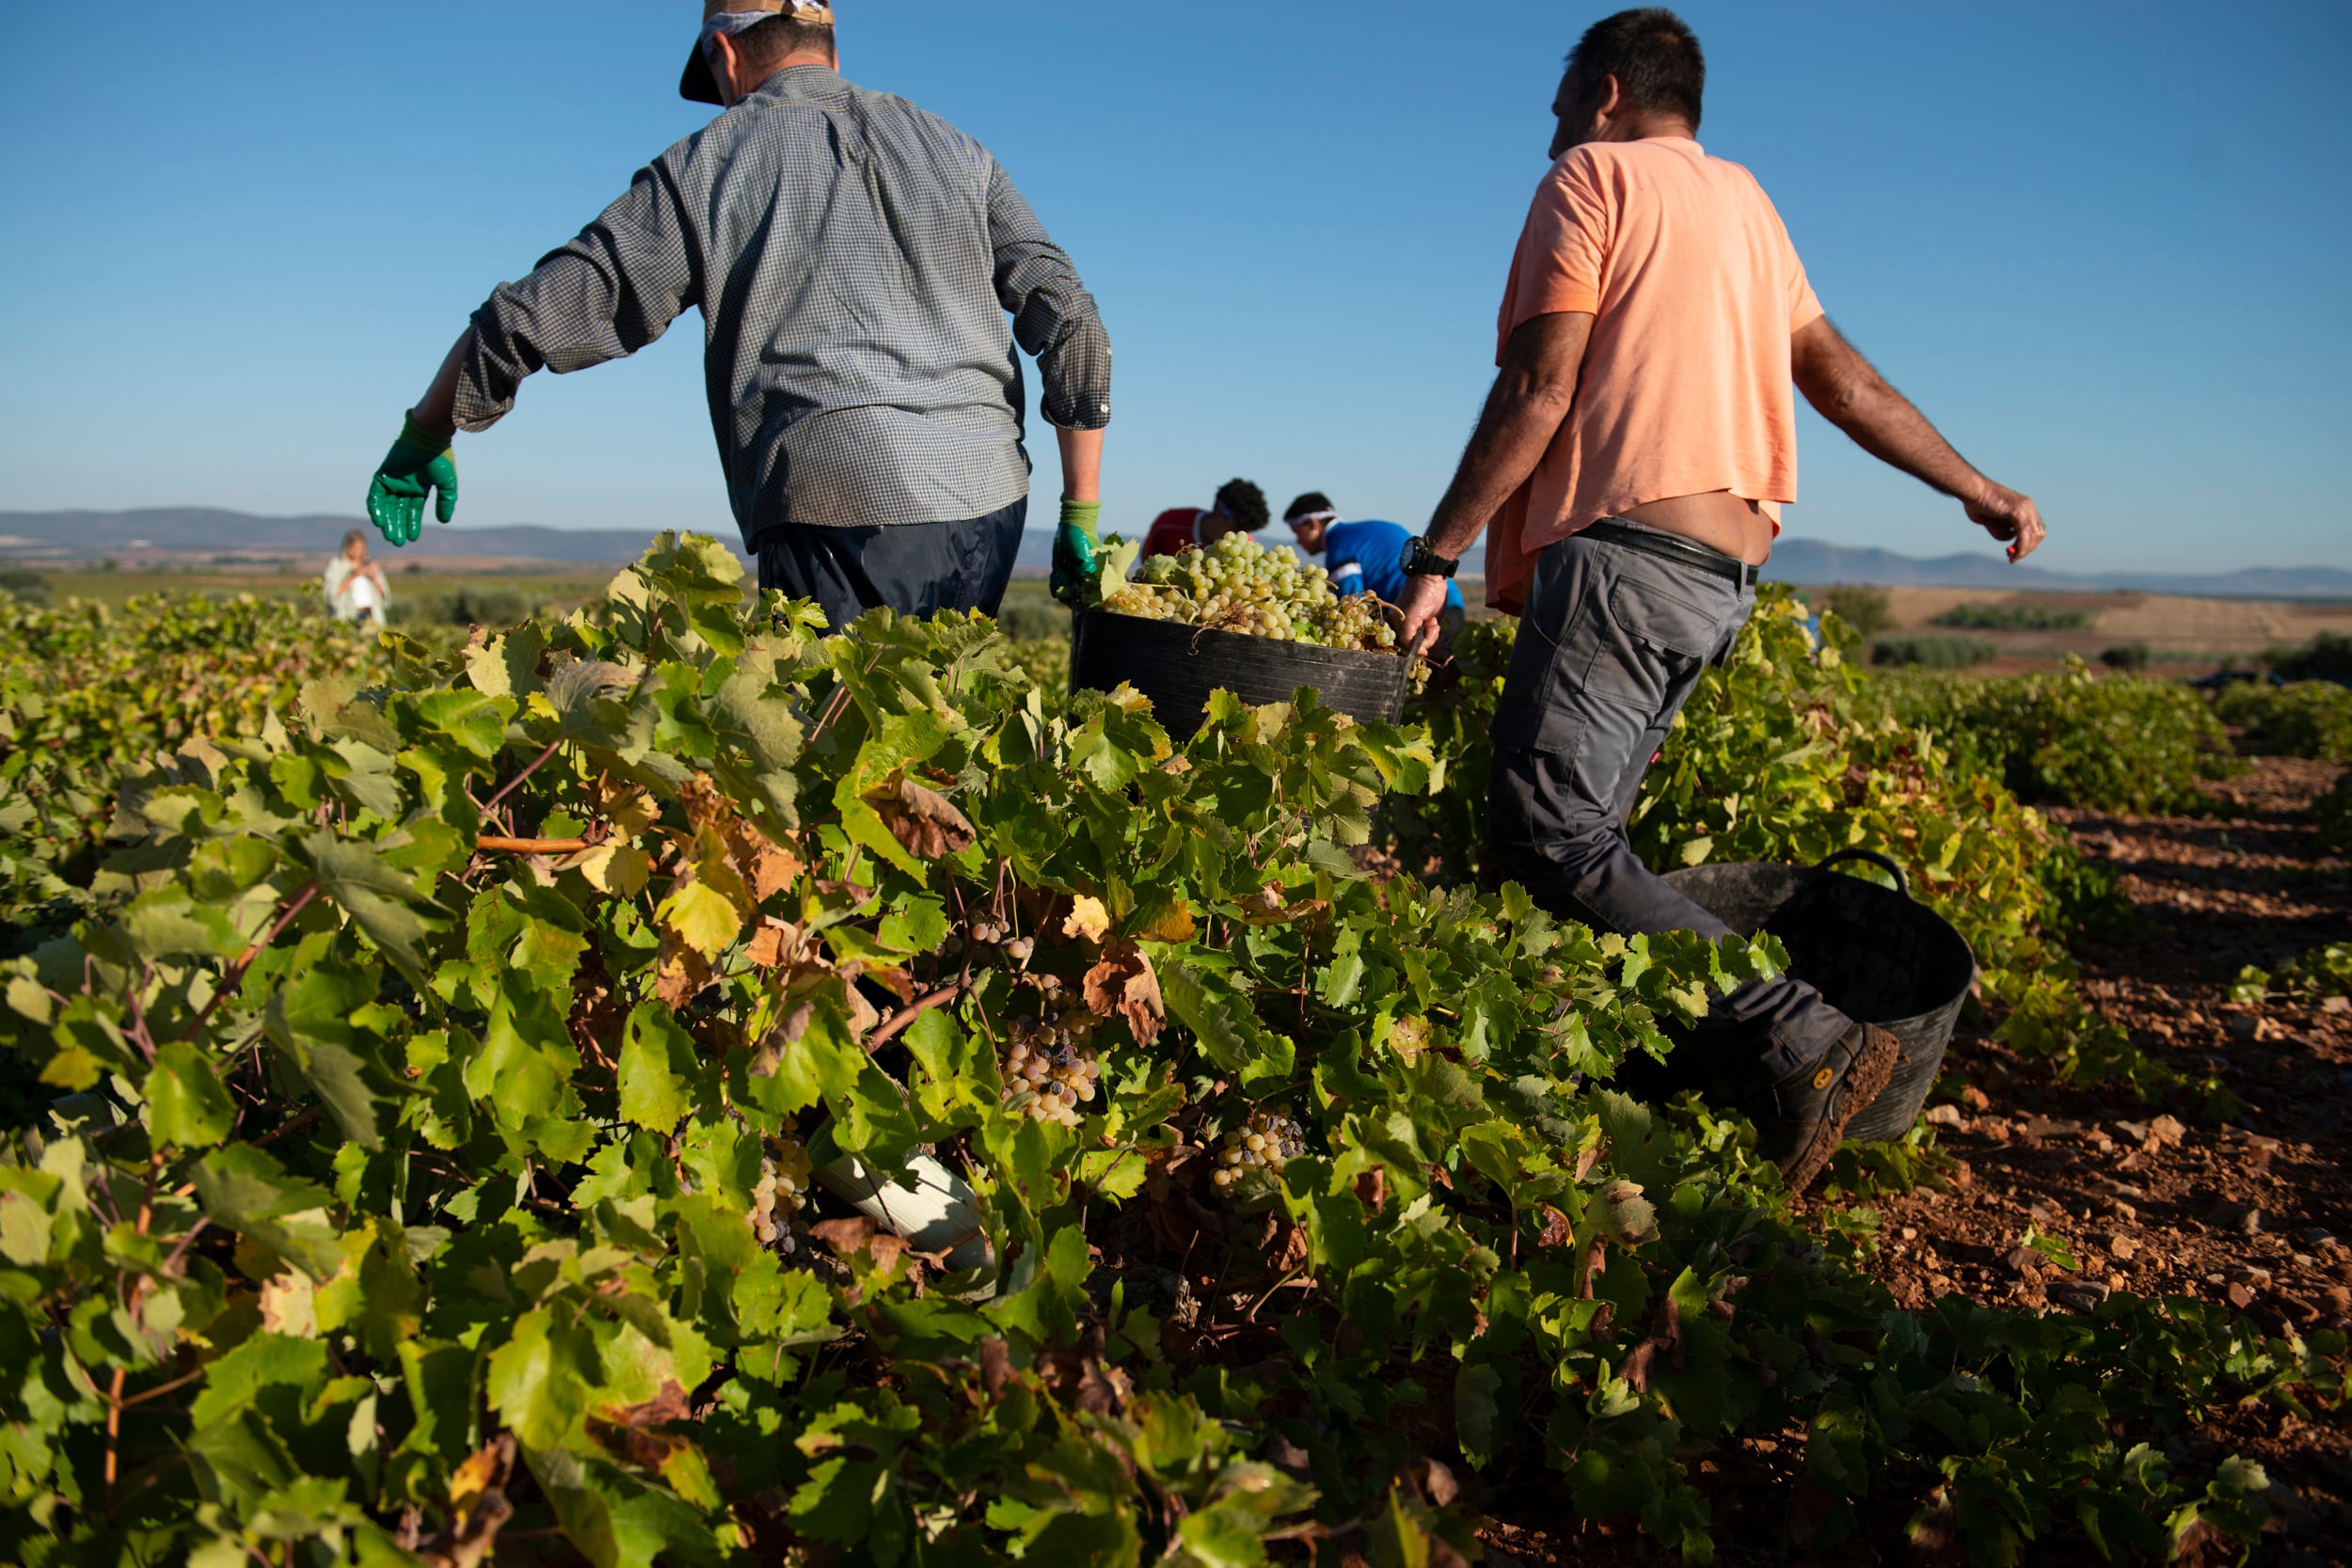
<point x="414" y="435"/>
<point x="1081" y="514"/>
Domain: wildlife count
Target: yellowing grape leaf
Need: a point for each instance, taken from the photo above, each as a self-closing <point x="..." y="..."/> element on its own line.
<point x="618" y="869"/>
<point x="702" y="916"/>
<point x="1175" y="924"/>
<point x="1088" y="919"/>
<point x="288" y="1305"/>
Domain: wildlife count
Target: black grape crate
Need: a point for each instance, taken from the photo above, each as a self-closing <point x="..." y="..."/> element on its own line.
<point x="1177" y="666"/>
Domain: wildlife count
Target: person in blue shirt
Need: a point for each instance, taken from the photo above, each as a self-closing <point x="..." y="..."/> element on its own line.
<point x="1366" y="557"/>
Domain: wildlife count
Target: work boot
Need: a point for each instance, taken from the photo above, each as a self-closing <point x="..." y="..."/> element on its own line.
<point x="1799" y="1119"/>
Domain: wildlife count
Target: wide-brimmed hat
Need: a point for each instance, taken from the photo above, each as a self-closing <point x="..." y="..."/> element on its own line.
<point x="697" y="85"/>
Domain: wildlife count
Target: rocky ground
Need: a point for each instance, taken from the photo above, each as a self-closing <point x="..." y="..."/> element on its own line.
<point x="2253" y="1213"/>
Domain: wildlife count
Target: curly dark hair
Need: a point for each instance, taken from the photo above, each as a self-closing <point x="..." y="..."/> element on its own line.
<point x="1245" y="504"/>
<point x="1313" y="500"/>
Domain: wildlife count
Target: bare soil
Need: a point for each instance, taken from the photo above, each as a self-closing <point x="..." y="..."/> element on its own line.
<point x="2181" y="633"/>
<point x="2254" y="1213"/>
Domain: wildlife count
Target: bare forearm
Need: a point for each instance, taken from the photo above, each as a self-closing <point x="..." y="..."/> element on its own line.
<point x="1531" y="399"/>
<point x="436" y="411"/>
<point x="1850" y="393"/>
<point x="1081" y="464"/>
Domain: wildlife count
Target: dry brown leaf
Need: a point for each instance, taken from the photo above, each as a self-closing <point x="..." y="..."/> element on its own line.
<point x="862" y="1014"/>
<point x="480" y="1471"/>
<point x="897" y="981"/>
<point x="479" y="1507"/>
<point x="922" y="819"/>
<point x="1372" y="1188"/>
<point x="1434" y="1481"/>
<point x="850" y="1237"/>
<point x="996" y="1366"/>
<point x="1665" y="1335"/>
<point x="1101" y="1390"/>
<point x="775" y="944"/>
<point x="1268" y="906"/>
<point x="680" y="974"/>
<point x="772" y="870"/>
<point x="705" y="806"/>
<point x="633" y="1431"/>
<point x="1124" y="983"/>
<point x="2203" y="1545"/>
<point x="1556" y="1230"/>
<point x="628" y="808"/>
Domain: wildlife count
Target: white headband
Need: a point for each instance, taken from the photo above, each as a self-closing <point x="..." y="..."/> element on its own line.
<point x="732" y="22"/>
<point x="1325" y="516"/>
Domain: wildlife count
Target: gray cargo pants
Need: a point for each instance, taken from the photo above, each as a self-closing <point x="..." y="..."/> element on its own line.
<point x="1611" y="646"/>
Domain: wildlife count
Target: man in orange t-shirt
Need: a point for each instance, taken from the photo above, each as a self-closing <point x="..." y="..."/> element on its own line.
<point x="1633" y="458"/>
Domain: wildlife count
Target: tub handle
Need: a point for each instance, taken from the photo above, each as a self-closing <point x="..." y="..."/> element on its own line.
<point x="1902" y="883"/>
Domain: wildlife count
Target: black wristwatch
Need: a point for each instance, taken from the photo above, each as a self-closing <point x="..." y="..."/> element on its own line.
<point x="1422" y="562"/>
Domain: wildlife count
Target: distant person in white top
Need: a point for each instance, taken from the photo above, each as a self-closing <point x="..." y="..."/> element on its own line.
<point x="356" y="590"/>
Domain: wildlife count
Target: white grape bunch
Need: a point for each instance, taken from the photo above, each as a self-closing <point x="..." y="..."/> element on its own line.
<point x="1239" y="585"/>
<point x="782" y="1193"/>
<point x="1260" y="1143"/>
<point x="1049" y="1068"/>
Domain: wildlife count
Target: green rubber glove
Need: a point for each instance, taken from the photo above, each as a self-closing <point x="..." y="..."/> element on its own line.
<point x="1074" y="546"/>
<point x="418" y="461"/>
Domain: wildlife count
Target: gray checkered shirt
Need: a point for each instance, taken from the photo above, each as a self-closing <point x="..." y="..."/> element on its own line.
<point x="854" y="259"/>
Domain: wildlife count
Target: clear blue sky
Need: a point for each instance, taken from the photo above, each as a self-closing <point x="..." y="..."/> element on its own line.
<point x="2103" y="245"/>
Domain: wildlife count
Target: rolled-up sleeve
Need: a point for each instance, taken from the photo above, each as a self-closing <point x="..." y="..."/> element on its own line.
<point x="1053" y="317"/>
<point x="609" y="292"/>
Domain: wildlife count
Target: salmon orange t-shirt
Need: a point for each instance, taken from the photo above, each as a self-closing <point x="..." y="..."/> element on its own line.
<point x="1693" y="289"/>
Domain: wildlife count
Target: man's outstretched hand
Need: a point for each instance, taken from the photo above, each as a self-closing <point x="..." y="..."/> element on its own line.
<point x="419" y="462"/>
<point x="2007" y="517"/>
<point x="1423" y="598"/>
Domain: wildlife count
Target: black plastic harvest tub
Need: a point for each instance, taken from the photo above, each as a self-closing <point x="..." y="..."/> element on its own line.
<point x="1178" y="666"/>
<point x="1872" y="952"/>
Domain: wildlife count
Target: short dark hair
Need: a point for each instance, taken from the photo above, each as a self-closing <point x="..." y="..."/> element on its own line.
<point x="1313" y="500"/>
<point x="783" y="36"/>
<point x="1653" y="55"/>
<point x="1244" y="503"/>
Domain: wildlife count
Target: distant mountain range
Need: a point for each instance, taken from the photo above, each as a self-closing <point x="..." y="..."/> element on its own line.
<point x="189" y="535"/>
<point x="184" y="535"/>
<point x="1811" y="561"/>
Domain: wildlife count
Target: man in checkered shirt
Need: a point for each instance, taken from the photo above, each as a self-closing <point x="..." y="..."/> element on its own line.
<point x="864" y="270"/>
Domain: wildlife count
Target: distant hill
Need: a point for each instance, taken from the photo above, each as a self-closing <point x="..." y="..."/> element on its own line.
<point x="190" y="534"/>
<point x="1809" y="561"/>
<point x="182" y="533"/>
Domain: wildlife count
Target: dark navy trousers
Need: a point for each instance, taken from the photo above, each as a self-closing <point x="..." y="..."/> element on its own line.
<point x="914" y="568"/>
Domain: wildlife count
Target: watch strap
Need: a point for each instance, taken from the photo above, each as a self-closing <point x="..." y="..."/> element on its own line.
<point x="1422" y="562"/>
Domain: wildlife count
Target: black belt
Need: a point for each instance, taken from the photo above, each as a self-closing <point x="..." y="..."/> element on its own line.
<point x="1669" y="546"/>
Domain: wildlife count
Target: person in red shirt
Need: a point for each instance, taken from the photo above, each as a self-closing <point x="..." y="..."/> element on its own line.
<point x="1240" y="507"/>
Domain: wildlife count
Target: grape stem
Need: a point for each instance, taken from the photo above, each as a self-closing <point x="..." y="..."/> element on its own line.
<point x="905" y="1016"/>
